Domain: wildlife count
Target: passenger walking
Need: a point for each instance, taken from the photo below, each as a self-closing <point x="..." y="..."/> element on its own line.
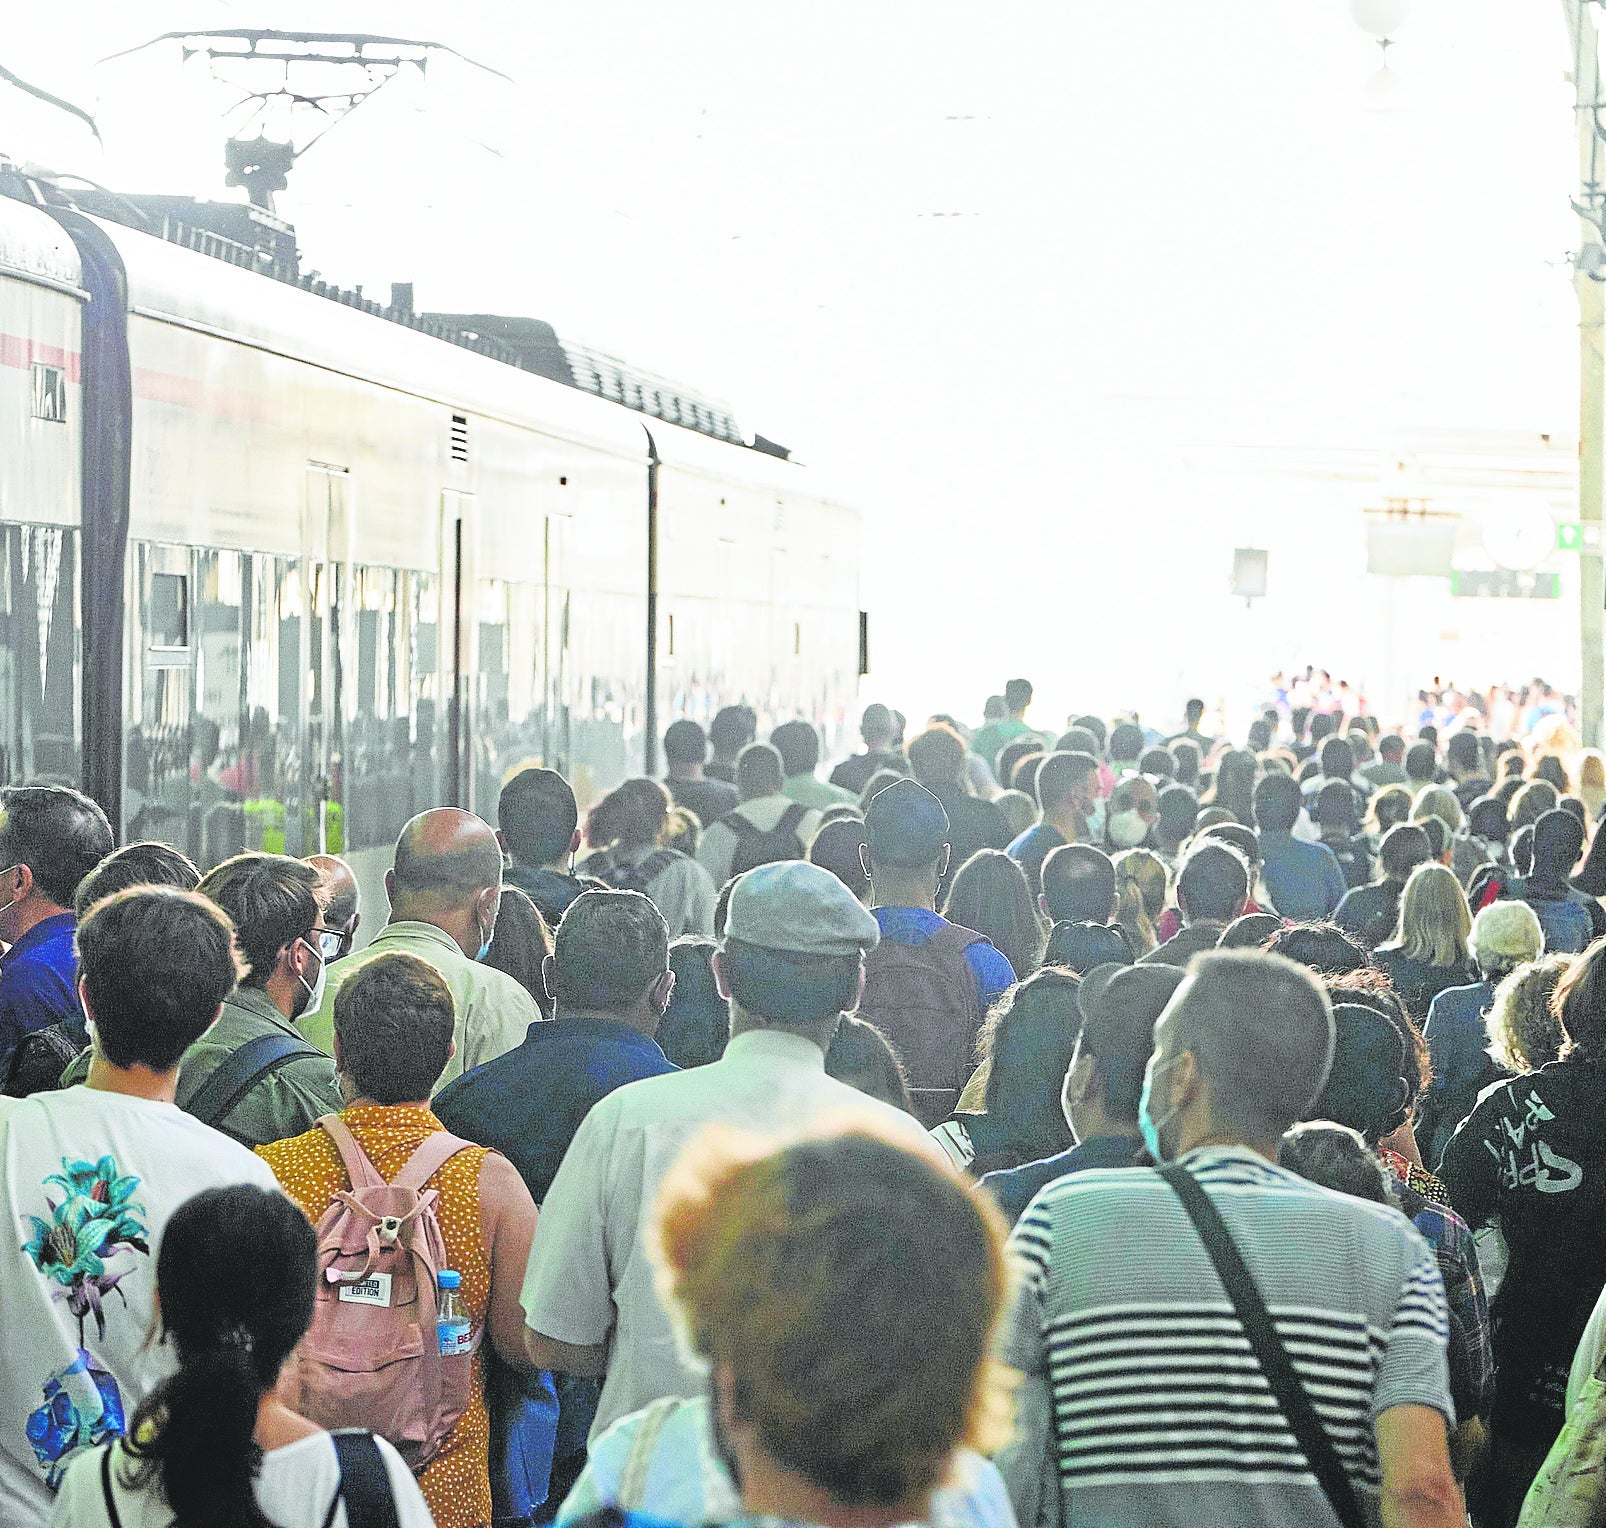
<point x="880" y="752"/>
<point x="1212" y="891"/>
<point x="1532" y="1157"/>
<point x="539" y="829"/>
<point x="1571" y="919"/>
<point x="1304" y="880"/>
<point x="844" y="1296"/>
<point x="937" y="760"/>
<point x="89" y="1177"/>
<point x="1338" y="1396"/>
<point x="799" y="747"/>
<point x="1009" y="725"/>
<point x="50" y="839"/>
<point x="731" y="730"/>
<point x="394" y="1027"/>
<point x="1371" y="913"/>
<point x="626" y="832"/>
<point x="791" y="963"/>
<point x="445" y="888"/>
<point x="213" y="1443"/>
<point x="341" y="898"/>
<point x="1067" y="792"/>
<point x="252" y="1075"/>
<point x="1429" y="949"/>
<point x="685" y="753"/>
<point x="767" y="826"/>
<point x="928" y="982"/>
<point x="989" y="894"/>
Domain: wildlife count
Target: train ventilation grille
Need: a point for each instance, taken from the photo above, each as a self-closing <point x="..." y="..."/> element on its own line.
<point x="459" y="438"/>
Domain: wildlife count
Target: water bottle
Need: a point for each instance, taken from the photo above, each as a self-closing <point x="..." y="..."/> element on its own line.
<point x="455" y="1330"/>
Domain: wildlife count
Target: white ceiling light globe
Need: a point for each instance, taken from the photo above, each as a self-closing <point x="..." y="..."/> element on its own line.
<point x="1382" y="18"/>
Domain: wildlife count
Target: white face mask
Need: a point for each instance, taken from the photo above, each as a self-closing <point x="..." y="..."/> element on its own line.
<point x="315" y="988"/>
<point x="1128" y="829"/>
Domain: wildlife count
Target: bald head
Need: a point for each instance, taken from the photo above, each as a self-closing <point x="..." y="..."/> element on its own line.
<point x="448" y="872"/>
<point x="337" y="889"/>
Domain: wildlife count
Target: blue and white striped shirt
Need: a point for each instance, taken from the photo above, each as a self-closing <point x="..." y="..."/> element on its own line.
<point x="1160" y="1413"/>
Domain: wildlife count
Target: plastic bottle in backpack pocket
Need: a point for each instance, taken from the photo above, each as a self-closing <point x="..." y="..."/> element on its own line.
<point x="455" y="1330"/>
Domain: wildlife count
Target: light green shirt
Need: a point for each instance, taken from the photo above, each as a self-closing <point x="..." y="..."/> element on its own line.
<point x="493" y="1010"/>
<point x="989" y="739"/>
<point x="811" y="791"/>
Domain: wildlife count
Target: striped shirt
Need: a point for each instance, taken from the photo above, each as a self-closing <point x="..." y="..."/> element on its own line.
<point x="1158" y="1409"/>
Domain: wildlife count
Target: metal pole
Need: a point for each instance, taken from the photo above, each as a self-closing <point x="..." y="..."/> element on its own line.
<point x="1592" y="377"/>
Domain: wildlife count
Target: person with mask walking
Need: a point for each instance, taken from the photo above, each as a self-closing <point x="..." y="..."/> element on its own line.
<point x="445" y="889"/>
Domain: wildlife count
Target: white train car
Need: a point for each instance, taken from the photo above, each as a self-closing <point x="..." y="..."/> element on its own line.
<point x="276" y="572"/>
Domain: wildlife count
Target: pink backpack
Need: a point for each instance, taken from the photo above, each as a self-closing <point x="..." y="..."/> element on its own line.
<point x="372" y="1356"/>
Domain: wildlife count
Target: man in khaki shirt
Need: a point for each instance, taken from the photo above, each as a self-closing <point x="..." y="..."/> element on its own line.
<point x="444" y="891"/>
<point x="791" y="964"/>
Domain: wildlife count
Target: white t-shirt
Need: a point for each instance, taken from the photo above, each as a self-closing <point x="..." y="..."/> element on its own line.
<point x="88" y="1180"/>
<point x="297" y="1484"/>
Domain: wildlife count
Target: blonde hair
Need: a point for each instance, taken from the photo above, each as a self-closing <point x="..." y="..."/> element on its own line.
<point x="1439" y="801"/>
<point x="1140" y="888"/>
<point x="1524" y="1032"/>
<point x="852" y="1292"/>
<point x="1434" y="918"/>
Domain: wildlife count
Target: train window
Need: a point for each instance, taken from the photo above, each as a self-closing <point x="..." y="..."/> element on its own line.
<point x="167" y="617"/>
<point x="39" y="657"/>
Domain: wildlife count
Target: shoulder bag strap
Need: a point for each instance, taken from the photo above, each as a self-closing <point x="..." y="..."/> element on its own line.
<point x="437" y="1149"/>
<point x="790" y="818"/>
<point x="364" y="1483"/>
<point x="360" y="1171"/>
<point x="112" y="1517"/>
<point x="240" y="1071"/>
<point x="632" y="1493"/>
<point x="1273" y="1358"/>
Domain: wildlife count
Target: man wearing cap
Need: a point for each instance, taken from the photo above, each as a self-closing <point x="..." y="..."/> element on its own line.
<point x="790" y="965"/>
<point x="929" y="982"/>
<point x="1120" y="1005"/>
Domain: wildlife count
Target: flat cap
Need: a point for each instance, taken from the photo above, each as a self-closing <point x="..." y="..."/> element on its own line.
<point x="795" y="906"/>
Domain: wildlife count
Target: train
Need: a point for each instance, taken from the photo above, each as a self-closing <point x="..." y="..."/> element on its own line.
<point x="280" y="566"/>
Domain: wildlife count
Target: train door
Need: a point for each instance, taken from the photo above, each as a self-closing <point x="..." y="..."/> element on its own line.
<point x="460" y="574"/>
<point x="558" y="711"/>
<point x="315" y="784"/>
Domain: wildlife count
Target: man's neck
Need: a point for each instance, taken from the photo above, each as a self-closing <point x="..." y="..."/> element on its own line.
<point x="771" y="1490"/>
<point x="880" y="745"/>
<point x="131" y="1081"/>
<point x="1228" y="1140"/>
<point x="1067" y="822"/>
<point x="684" y="772"/>
<point x="893" y="891"/>
<point x="821" y="1033"/>
<point x="1093" y="1122"/>
<point x="362" y="1101"/>
<point x="558" y="866"/>
<point x="33" y="912"/>
<point x="642" y="1019"/>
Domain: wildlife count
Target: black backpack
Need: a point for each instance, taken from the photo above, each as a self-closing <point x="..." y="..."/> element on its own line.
<point x="755" y="847"/>
<point x="635" y="877"/>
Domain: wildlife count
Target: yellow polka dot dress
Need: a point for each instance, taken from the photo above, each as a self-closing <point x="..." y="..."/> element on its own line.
<point x="457" y="1482"/>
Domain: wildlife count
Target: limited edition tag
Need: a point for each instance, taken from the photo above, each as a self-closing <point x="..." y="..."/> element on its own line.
<point x="374" y="1290"/>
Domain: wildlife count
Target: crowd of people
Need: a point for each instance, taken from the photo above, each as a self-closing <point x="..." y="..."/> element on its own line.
<point x="1102" y="1126"/>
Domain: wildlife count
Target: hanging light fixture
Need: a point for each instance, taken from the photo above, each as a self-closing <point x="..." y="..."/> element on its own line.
<point x="1381" y="18"/>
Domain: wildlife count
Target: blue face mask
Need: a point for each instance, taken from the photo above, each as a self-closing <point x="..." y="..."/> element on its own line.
<point x="1095" y="821"/>
<point x="1150" y="1126"/>
<point x="486" y="935"/>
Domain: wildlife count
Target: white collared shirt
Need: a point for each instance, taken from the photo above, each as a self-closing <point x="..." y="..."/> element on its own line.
<point x="590" y="1279"/>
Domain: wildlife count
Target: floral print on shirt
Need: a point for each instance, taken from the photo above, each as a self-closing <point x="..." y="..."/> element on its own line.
<point x="85" y="1247"/>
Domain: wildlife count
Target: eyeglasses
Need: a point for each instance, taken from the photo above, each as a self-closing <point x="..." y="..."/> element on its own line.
<point x="330" y="942"/>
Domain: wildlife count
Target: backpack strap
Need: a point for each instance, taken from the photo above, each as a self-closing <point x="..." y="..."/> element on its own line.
<point x="790" y="818"/>
<point x="743" y="827"/>
<point x="956" y="939"/>
<point x="241" y="1070"/>
<point x="631" y="1496"/>
<point x="360" y="1172"/>
<point x="437" y="1149"/>
<point x="364" y="1483"/>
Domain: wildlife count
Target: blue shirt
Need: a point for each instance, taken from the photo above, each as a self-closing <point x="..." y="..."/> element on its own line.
<point x="1032" y="848"/>
<point x="1305" y="880"/>
<point x="1015" y="1187"/>
<point x="39" y="983"/>
<point x="529" y="1103"/>
<point x="915" y="925"/>
<point x="1458" y="1045"/>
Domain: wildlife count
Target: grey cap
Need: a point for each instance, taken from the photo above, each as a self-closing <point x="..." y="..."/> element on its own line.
<point x="794" y="906"/>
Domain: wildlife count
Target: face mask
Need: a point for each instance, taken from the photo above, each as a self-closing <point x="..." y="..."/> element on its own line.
<point x="1128" y="829"/>
<point x="486" y="935"/>
<point x="314" y="989"/>
<point x="1150" y="1126"/>
<point x="13" y="902"/>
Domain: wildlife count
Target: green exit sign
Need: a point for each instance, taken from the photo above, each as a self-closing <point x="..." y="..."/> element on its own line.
<point x="1570" y="538"/>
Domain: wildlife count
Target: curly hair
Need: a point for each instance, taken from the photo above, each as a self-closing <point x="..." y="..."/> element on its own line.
<point x="1524" y="1032"/>
<point x="850" y="1292"/>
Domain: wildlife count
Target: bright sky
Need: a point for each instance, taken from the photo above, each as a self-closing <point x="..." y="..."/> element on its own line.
<point x="1176" y="224"/>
